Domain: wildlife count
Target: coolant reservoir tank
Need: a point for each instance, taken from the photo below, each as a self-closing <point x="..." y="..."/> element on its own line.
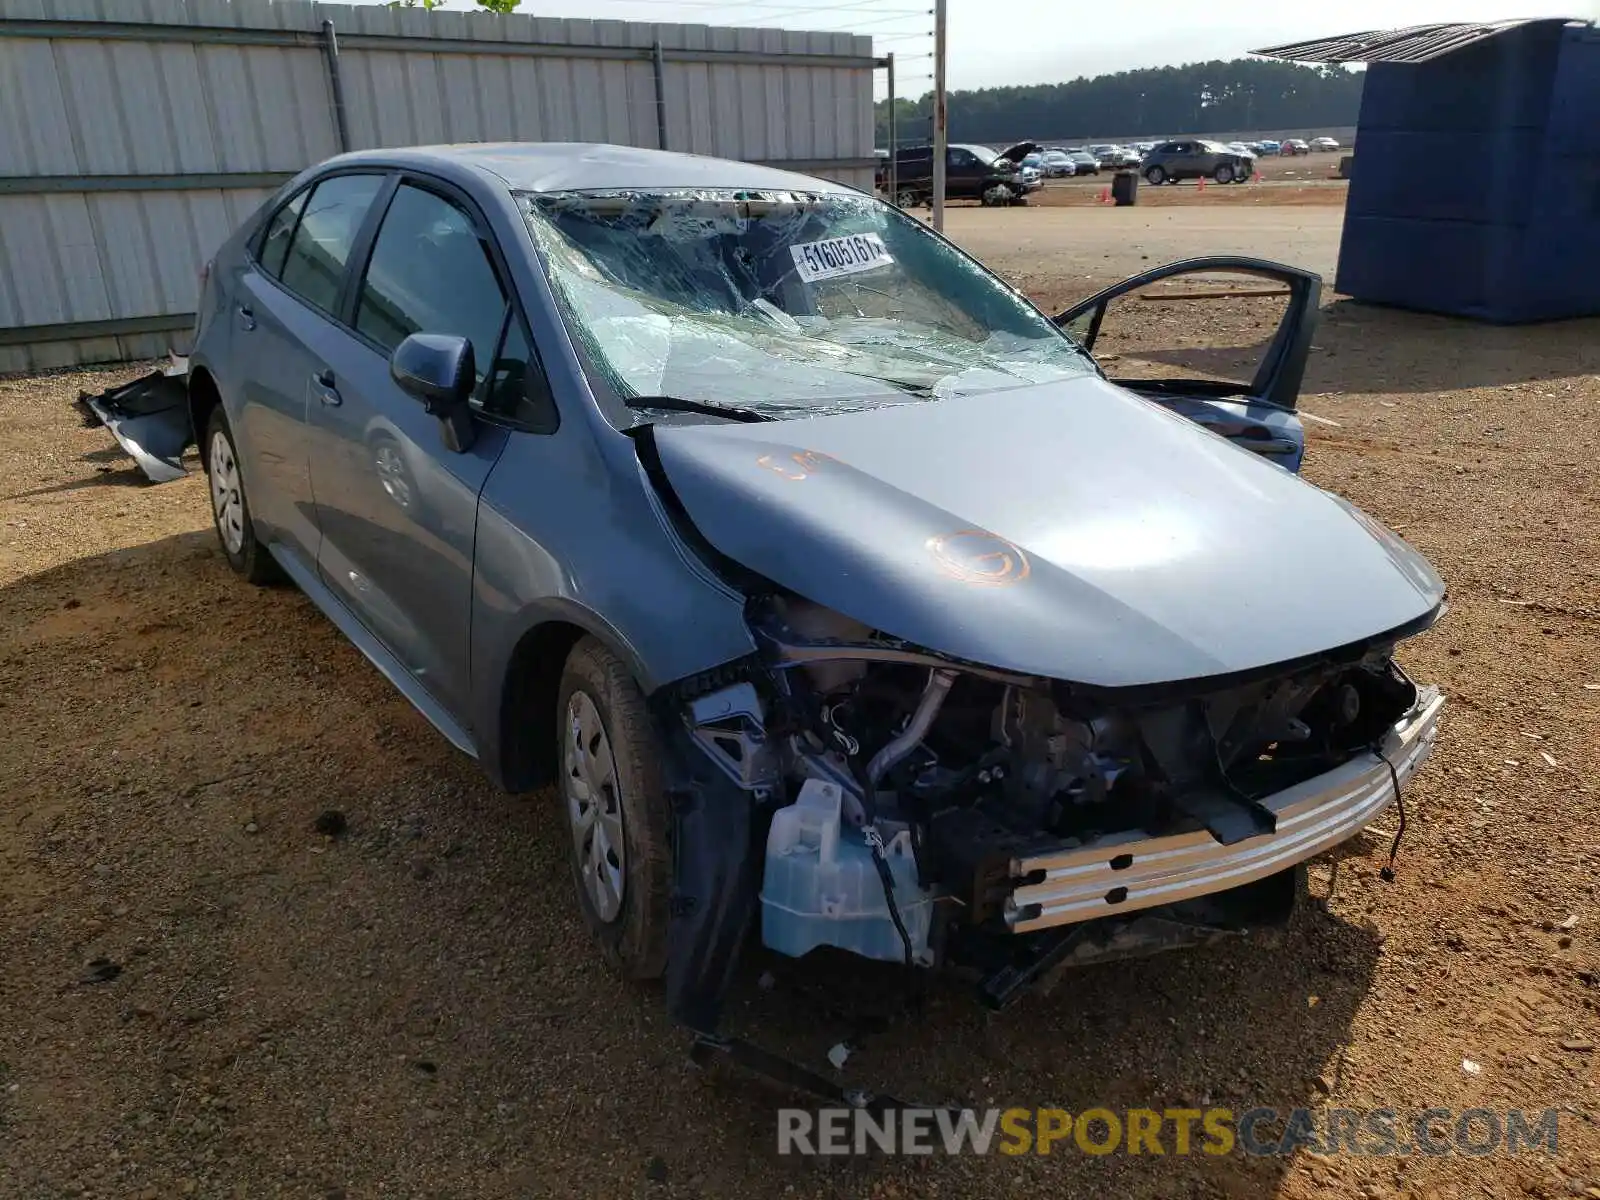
<point x="821" y="887"/>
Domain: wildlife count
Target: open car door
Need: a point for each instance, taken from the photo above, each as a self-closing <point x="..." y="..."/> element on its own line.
<point x="1222" y="341"/>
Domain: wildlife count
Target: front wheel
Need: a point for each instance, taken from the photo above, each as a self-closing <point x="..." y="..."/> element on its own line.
<point x="997" y="194"/>
<point x="1155" y="176"/>
<point x="230" y="508"/>
<point x="1223" y="173"/>
<point x="616" y="809"/>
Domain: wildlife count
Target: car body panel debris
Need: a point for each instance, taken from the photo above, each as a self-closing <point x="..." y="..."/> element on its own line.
<point x="149" y="418"/>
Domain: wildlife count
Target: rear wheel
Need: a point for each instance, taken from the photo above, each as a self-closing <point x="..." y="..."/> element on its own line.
<point x="906" y="198"/>
<point x="616" y="810"/>
<point x="230" y="508"/>
<point x="1155" y="176"/>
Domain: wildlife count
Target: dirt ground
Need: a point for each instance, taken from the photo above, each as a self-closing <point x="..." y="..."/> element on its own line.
<point x="201" y="995"/>
<point x="1067" y="252"/>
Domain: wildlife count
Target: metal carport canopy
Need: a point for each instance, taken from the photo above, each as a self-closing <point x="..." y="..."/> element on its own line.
<point x="1414" y="44"/>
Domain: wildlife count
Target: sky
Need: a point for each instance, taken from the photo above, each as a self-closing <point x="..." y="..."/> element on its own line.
<point x="999" y="42"/>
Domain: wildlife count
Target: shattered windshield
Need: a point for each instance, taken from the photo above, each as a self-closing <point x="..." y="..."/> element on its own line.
<point x="784" y="303"/>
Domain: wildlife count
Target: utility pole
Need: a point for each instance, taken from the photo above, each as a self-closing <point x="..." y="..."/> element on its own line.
<point x="894" y="135"/>
<point x="939" y="115"/>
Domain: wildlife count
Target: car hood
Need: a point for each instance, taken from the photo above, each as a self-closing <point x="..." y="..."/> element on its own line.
<point x="1019" y="151"/>
<point x="1071" y="530"/>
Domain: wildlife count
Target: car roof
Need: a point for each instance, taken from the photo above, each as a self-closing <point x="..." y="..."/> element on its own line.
<point x="585" y="166"/>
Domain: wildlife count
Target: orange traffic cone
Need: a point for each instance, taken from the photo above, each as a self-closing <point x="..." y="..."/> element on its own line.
<point x="1258" y="177"/>
<point x="1202" y="186"/>
<point x="1105" y="195"/>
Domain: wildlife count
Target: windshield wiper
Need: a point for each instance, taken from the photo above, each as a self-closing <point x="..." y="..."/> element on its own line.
<point x="701" y="407"/>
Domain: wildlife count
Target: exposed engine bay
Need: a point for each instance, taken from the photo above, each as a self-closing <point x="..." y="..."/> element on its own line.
<point x="918" y="806"/>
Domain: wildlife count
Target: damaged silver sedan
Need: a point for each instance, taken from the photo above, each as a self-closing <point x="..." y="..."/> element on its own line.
<point x="844" y="598"/>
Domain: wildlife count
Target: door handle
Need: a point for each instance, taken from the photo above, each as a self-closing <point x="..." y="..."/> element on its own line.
<point x="323" y="382"/>
<point x="247" y="317"/>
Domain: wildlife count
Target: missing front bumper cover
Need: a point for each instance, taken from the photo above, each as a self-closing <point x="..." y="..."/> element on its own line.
<point x="1130" y="870"/>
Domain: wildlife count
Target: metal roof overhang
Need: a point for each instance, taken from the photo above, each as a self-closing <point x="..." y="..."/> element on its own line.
<point x="1415" y="44"/>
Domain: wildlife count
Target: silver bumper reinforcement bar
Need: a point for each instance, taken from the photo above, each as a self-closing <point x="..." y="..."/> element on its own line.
<point x="1130" y="870"/>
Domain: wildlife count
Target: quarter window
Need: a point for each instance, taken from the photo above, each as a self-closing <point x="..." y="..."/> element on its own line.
<point x="431" y="273"/>
<point x="275" y="246"/>
<point x="314" y="267"/>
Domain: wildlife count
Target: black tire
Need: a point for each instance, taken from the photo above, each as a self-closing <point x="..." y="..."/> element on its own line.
<point x="634" y="938"/>
<point x="230" y="507"/>
<point x="1224" y="173"/>
<point x="1155" y="176"/>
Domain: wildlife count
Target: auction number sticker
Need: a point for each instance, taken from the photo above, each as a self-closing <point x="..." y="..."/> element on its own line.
<point x="832" y="257"/>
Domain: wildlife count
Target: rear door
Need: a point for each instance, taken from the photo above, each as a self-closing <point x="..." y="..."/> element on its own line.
<point x="282" y="314"/>
<point x="1222" y="341"/>
<point x="398" y="509"/>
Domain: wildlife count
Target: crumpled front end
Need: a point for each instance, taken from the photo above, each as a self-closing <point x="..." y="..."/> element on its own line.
<point x="911" y="808"/>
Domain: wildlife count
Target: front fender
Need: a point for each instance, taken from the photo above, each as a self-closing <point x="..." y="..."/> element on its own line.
<point x="569" y="539"/>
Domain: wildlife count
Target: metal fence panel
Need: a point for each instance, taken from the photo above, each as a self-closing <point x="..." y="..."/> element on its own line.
<point x="135" y="134"/>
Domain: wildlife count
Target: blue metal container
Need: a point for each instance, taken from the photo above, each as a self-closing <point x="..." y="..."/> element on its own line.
<point x="1476" y="184"/>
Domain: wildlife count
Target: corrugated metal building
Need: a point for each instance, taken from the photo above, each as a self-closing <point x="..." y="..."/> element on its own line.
<point x="1476" y="183"/>
<point x="135" y="134"/>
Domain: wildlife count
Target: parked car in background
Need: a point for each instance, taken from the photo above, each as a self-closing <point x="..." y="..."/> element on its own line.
<point x="1084" y="162"/>
<point x="972" y="172"/>
<point x="1269" y="147"/>
<point x="1196" y="158"/>
<point x="634" y="473"/>
<point x="1294" y="146"/>
<point x="1324" y="144"/>
<point x="1144" y="147"/>
<point x="1058" y="164"/>
<point x="1112" y="157"/>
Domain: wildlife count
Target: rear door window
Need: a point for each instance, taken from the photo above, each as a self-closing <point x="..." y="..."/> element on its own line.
<point x="313" y="269"/>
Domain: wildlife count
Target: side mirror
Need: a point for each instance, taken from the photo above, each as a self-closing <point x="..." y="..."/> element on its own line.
<point x="438" y="369"/>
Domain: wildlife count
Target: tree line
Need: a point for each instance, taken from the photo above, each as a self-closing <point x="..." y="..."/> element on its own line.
<point x="1198" y="98"/>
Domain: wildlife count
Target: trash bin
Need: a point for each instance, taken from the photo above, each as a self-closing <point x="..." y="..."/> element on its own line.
<point x="1125" y="188"/>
